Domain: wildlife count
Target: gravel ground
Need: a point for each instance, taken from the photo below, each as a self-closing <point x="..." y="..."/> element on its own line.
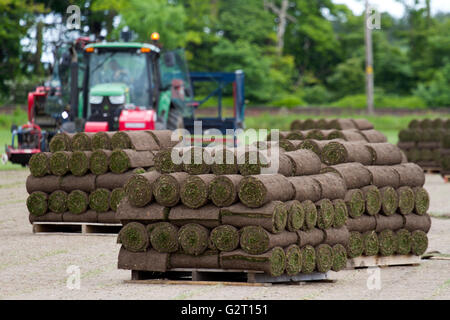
<point x="35" y="266"/>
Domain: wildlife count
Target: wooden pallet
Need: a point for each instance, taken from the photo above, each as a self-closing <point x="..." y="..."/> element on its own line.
<point x="219" y="276"/>
<point x="76" y="228"/>
<point x="432" y="170"/>
<point x="380" y="261"/>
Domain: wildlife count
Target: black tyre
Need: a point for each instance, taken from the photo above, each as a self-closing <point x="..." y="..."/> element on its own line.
<point x="174" y="120"/>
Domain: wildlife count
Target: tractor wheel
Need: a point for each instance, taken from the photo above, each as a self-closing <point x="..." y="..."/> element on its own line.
<point x="174" y="120"/>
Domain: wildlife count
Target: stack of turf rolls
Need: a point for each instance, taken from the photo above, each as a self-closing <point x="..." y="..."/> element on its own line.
<point x="82" y="178"/>
<point x="426" y="142"/>
<point x="234" y="216"/>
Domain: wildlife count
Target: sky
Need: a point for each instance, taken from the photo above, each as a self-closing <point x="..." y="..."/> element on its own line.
<point x="394" y="8"/>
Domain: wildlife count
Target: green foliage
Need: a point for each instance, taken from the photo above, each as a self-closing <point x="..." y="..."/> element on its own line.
<point x="359" y="101"/>
<point x="437" y="92"/>
<point x="348" y="78"/>
<point x="17" y="117"/>
<point x="288" y="101"/>
<point x="317" y="95"/>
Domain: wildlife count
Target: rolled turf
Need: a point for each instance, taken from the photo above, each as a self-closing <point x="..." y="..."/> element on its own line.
<point x="99" y="200"/>
<point x="194" y="191"/>
<point x="304" y="162"/>
<point x="101" y="140"/>
<point x="306" y="188"/>
<point x="81" y="141"/>
<point x="310" y="215"/>
<point x="347" y="135"/>
<point x="193" y="239"/>
<point x="122" y="160"/>
<point x="296" y="125"/>
<point x="354" y="174"/>
<point x="373" y="136"/>
<point x="77" y="202"/>
<point x="332" y="185"/>
<point x="112" y="180"/>
<point x="166" y="188"/>
<point x="393" y="222"/>
<point x="354" y="199"/>
<point x="293" y="260"/>
<point x="340" y="213"/>
<point x="371" y="245"/>
<point x="251" y="162"/>
<point x="384" y="176"/>
<point x="287" y="145"/>
<point x="387" y="242"/>
<point x="136" y="140"/>
<point x="311" y="237"/>
<point x="207" y="216"/>
<point x="225" y="238"/>
<point x="372" y="199"/>
<point x="85" y="183"/>
<point x="325" y="214"/>
<point x="362" y="224"/>
<point x="406" y="200"/>
<point x="57" y="201"/>
<point x="255" y="191"/>
<point x="140" y="188"/>
<point x="164" y="237"/>
<point x="384" y="153"/>
<point x="59" y="163"/>
<point x="225" y="162"/>
<point x="341" y="152"/>
<point x="419" y="242"/>
<point x="197" y="160"/>
<point x="40" y="164"/>
<point x="334" y="236"/>
<point x="208" y="260"/>
<point x="308" y="259"/>
<point x="148" y="214"/>
<point x="256" y="240"/>
<point x="272" y="262"/>
<point x="164" y="162"/>
<point x="295" y="215"/>
<point x="272" y="216"/>
<point x="314" y="134"/>
<point x="421" y="200"/>
<point x="315" y="146"/>
<point x="389" y="201"/>
<point x="99" y="161"/>
<point x="362" y="124"/>
<point x="60" y="142"/>
<point x="339" y="257"/>
<point x="324" y="258"/>
<point x="46" y="184"/>
<point x="79" y="162"/>
<point x="223" y="190"/>
<point x="403" y="241"/>
<point x="116" y="196"/>
<point x="295" y="135"/>
<point x="134" y="237"/>
<point x="412" y="222"/>
<point x="37" y="203"/>
<point x="355" y="247"/>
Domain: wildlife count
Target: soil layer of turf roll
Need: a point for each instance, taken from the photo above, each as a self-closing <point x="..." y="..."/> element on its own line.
<point x="293" y="260"/>
<point x="406" y="200"/>
<point x="136" y="140"/>
<point x="165" y="164"/>
<point x="421" y="200"/>
<point x="59" y="163"/>
<point x="79" y="162"/>
<point x="339" y="257"/>
<point x="134" y="237"/>
<point x="306" y="188"/>
<point x="100" y="161"/>
<point x="342" y="124"/>
<point x="84" y="183"/>
<point x="48" y="217"/>
<point x="384" y="176"/>
<point x="354" y="199"/>
<point x="122" y="160"/>
<point x="403" y="237"/>
<point x="312" y="237"/>
<point x="101" y="140"/>
<point x="60" y="142"/>
<point x="148" y="214"/>
<point x="413" y="222"/>
<point x="255" y="191"/>
<point x="372" y="199"/>
<point x="310" y="215"/>
<point x="37" y="203"/>
<point x="324" y="258"/>
<point x="387" y="242"/>
<point x="117" y="195"/>
<point x="166" y="188"/>
<point x="164" y="138"/>
<point x="223" y="190"/>
<point x="325" y="214"/>
<point x="99" y="200"/>
<point x="308" y="259"/>
<point x="389" y="201"/>
<point x="208" y="260"/>
<point x="336" y="236"/>
<point x="81" y="141"/>
<point x="207" y="216"/>
<point x="305" y="162"/>
<point x="373" y="136"/>
<point x="393" y="222"/>
<point x="112" y="180"/>
<point x="88" y="216"/>
<point x="164" y="237"/>
<point x="251" y="162"/>
<point x="295" y="215"/>
<point x="354" y="174"/>
<point x="272" y="262"/>
<point x="140" y="188"/>
<point x="419" y="242"/>
<point x="362" y="124"/>
<point x="46" y="184"/>
<point x="384" y="153"/>
<point x="257" y="240"/>
<point x="347" y="135"/>
<point x="283" y="165"/>
<point x="193" y="239"/>
<point x="362" y="224"/>
<point x="340" y="213"/>
<point x="355" y="247"/>
<point x="197" y="160"/>
<point x="77" y="202"/>
<point x="332" y="186"/>
<point x="341" y="152"/>
<point x="371" y="246"/>
<point x="225" y="162"/>
<point x="194" y="192"/>
<point x="57" y="201"/>
<point x="272" y="216"/>
<point x="225" y="238"/>
<point x="40" y="164"/>
<point x="150" y="260"/>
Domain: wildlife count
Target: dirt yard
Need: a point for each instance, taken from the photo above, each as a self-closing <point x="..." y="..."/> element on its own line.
<point x="35" y="266"/>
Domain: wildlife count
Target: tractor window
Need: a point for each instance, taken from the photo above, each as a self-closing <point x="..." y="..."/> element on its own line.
<point x="127" y="68"/>
<point x="173" y="67"/>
